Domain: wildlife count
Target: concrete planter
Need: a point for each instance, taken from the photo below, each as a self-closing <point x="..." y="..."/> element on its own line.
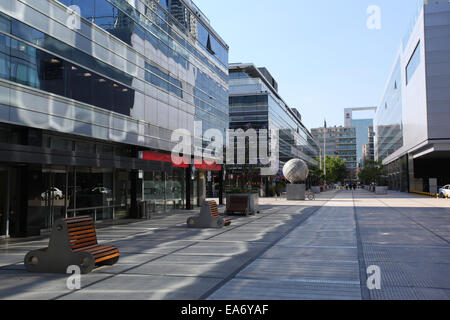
<point x="296" y="192"/>
<point x="253" y="201"/>
<point x="381" y="190"/>
<point x="316" y="190"/>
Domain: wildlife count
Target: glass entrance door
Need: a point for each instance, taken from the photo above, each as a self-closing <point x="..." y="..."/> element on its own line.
<point x="3" y="203"/>
<point x="53" y="198"/>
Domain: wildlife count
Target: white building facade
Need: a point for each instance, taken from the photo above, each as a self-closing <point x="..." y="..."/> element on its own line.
<point x="412" y="132"/>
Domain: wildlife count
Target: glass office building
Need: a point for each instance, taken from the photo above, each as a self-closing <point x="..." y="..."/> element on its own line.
<point x="90" y="94"/>
<point x="388" y="120"/>
<point x="411" y="124"/>
<point x="339" y="142"/>
<point x="362" y="137"/>
<point x="256" y="104"/>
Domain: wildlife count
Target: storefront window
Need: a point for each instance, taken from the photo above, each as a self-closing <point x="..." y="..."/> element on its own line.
<point x="175" y="190"/>
<point x="94" y="193"/>
<point x="164" y="190"/>
<point x="122" y="194"/>
<point x="46" y="197"/>
<point x="154" y="190"/>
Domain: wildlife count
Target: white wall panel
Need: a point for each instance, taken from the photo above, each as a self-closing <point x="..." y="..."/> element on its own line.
<point x="438" y="69"/>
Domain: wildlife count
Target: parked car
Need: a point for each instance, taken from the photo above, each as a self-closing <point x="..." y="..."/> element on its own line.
<point x="444" y="191"/>
<point x="54" y="193"/>
<point x="102" y="190"/>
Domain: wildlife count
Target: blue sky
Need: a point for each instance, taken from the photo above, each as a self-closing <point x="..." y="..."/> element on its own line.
<point x="321" y="53"/>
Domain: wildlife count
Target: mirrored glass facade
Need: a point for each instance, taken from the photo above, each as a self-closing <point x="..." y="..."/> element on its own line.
<point x="413" y="64"/>
<point x="91" y="97"/>
<point x="255" y="104"/>
<point x="388" y="119"/>
<point x="362" y="136"/>
<point x="339" y="142"/>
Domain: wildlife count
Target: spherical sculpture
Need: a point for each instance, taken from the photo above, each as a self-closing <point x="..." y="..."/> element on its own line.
<point x="296" y="171"/>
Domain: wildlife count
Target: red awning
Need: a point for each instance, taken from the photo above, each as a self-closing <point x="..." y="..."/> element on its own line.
<point x="184" y="162"/>
<point x="162" y="157"/>
<point x="208" y="167"/>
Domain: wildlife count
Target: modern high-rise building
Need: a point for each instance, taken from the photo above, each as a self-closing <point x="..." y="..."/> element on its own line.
<point x="89" y="98"/>
<point x="256" y="104"/>
<point x="368" y="148"/>
<point x="361" y="126"/>
<point x="412" y="132"/>
<point x="339" y="142"/>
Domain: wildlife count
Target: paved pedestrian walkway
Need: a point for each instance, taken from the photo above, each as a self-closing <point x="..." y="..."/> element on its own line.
<point x="292" y="250"/>
<point x="409" y="239"/>
<point x="316" y="260"/>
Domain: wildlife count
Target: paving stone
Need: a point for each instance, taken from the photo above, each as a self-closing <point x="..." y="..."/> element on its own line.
<point x="21" y="285"/>
<point x="251" y="289"/>
<point x="316" y="258"/>
<point x="287" y="269"/>
<point x="333" y="254"/>
<point x="145" y="287"/>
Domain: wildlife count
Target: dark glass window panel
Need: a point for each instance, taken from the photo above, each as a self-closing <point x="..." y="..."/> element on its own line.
<point x="219" y="51"/>
<point x="60" y="144"/>
<point x="214" y="47"/>
<point x="124" y="33"/>
<point x="5" y="23"/>
<point x="163" y="84"/>
<point x="85" y="147"/>
<point x="76" y="55"/>
<point x="83" y="58"/>
<point x="105" y="150"/>
<point x="125" y="152"/>
<point x="57" y="47"/>
<point x="4" y="135"/>
<point x="24" y="64"/>
<point x="5" y="63"/>
<point x="51" y="73"/>
<point x="25" y="32"/>
<point x="29" y="66"/>
<point x="80" y="85"/>
<point x="202" y="34"/>
<point x="102" y="96"/>
<point x="122" y="99"/>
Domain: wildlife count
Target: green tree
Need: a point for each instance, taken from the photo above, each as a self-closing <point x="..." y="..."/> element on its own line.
<point x="316" y="173"/>
<point x="336" y="169"/>
<point x="372" y="171"/>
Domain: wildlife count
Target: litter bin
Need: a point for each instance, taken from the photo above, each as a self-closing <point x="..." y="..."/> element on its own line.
<point x="141" y="210"/>
<point x="145" y="210"/>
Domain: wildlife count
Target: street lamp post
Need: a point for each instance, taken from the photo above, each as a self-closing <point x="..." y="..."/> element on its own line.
<point x="325" y="152"/>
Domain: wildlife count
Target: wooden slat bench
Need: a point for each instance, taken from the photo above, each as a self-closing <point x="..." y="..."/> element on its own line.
<point x="209" y="217"/>
<point x="215" y="212"/>
<point x="73" y="242"/>
<point x="238" y="204"/>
